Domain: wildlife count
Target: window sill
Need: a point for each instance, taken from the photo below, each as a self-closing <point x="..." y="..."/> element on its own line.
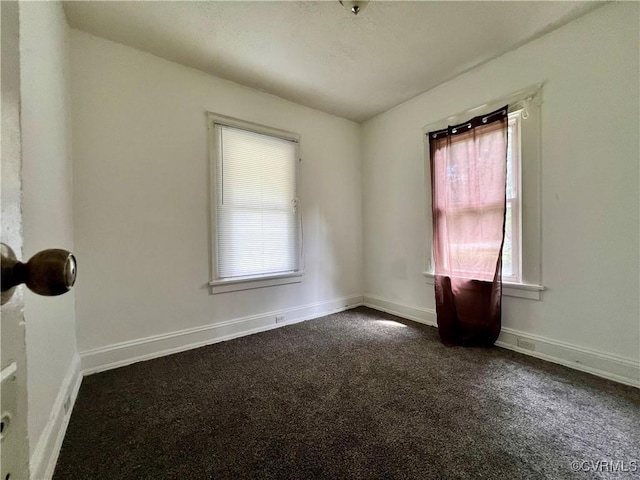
<point x="249" y="283"/>
<point x="509" y="289"/>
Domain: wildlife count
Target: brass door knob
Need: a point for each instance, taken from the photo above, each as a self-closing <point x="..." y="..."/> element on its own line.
<point x="49" y="272"/>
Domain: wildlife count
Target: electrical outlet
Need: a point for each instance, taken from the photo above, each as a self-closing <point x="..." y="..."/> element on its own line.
<point x="279" y="318"/>
<point x="522" y="343"/>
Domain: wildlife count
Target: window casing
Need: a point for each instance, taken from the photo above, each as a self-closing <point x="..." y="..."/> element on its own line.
<point x="522" y="276"/>
<point x="511" y="250"/>
<point x="256" y="236"/>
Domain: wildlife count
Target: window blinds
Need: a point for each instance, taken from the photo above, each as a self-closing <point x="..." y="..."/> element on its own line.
<point x="257" y="220"/>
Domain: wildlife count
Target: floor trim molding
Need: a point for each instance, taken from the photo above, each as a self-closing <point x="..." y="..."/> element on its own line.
<point x="612" y="367"/>
<point x="45" y="454"/>
<point x="410" y="312"/>
<point x="126" y="353"/>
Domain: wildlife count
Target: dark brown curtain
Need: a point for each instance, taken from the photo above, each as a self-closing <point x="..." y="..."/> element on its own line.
<point x="468" y="194"/>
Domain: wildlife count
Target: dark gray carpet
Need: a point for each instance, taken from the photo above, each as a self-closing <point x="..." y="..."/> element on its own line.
<point x="358" y="394"/>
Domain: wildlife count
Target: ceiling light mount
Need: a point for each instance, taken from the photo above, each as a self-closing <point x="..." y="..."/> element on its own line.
<point x="354" y="7"/>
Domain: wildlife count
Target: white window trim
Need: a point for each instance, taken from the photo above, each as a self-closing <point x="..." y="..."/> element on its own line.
<point x="516" y="205"/>
<point x="249" y="283"/>
<point x="531" y="283"/>
<point x="225" y="285"/>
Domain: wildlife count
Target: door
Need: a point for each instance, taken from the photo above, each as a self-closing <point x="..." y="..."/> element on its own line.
<point x="14" y="446"/>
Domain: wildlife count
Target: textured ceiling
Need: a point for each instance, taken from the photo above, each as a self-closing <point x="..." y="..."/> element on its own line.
<point x="318" y="54"/>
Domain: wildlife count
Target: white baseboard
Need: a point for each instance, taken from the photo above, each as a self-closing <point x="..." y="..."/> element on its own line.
<point x="410" y="312"/>
<point x="126" y="353"/>
<point x="612" y="367"/>
<point x="45" y="455"/>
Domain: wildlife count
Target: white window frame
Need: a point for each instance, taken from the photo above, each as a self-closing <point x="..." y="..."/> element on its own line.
<point x="224" y="285"/>
<point x="514" y="118"/>
<point x="528" y="284"/>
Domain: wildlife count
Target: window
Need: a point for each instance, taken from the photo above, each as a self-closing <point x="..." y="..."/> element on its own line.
<point x="256" y="237"/>
<point x="521" y="254"/>
<point x="511" y="261"/>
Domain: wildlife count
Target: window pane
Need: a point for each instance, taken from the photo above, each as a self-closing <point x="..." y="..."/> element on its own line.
<point x="511" y="248"/>
<point x="510" y="170"/>
<point x="255" y="241"/>
<point x="507" y="249"/>
<point x="473" y="258"/>
<point x="257" y="223"/>
<point x="469" y="258"/>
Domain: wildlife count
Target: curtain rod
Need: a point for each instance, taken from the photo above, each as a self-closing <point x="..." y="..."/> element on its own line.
<point x="517" y="101"/>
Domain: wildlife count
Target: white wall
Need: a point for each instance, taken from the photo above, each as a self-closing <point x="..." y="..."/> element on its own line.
<point x="590" y="152"/>
<point x="47" y="207"/>
<point x="141" y="189"/>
